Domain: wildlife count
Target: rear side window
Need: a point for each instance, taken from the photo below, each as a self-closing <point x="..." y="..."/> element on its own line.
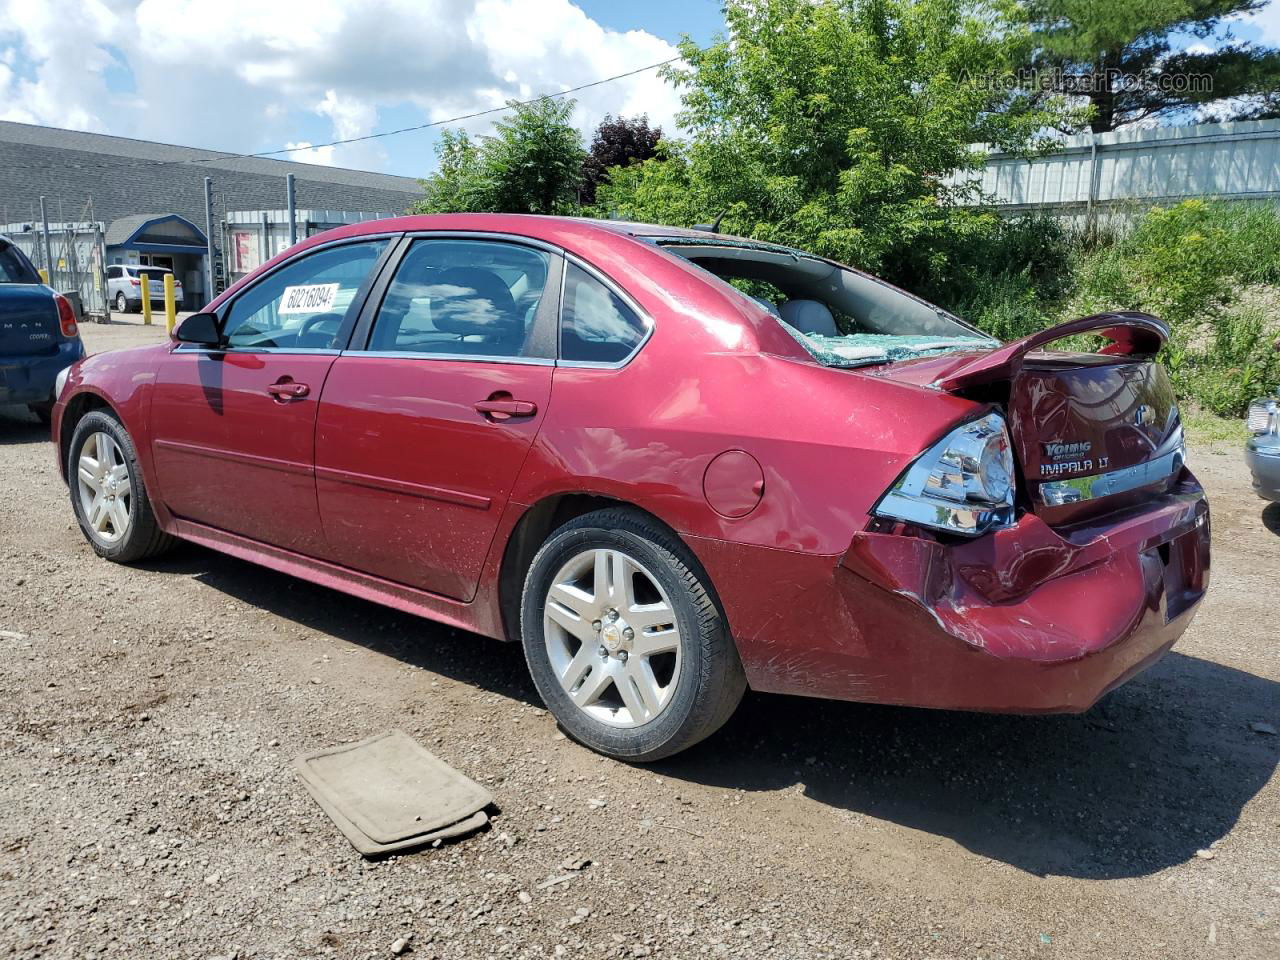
<point x="596" y="326"/>
<point x="463" y="298"/>
<point x="302" y="305"/>
<point x="14" y="268"/>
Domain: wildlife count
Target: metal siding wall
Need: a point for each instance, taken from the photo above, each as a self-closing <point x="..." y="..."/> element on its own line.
<point x="69" y="178"/>
<point x="1135" y="167"/>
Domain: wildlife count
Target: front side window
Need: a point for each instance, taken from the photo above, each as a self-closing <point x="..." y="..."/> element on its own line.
<point x="475" y="298"/>
<point x="304" y="304"/>
<point x="596" y="326"/>
<point x="113" y="273"/>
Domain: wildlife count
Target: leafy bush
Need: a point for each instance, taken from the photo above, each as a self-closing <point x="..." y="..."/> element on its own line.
<point x="1186" y="263"/>
<point x="1210" y="269"/>
<point x="1191" y="264"/>
<point x="1006" y="306"/>
<point x="1236" y="365"/>
<point x="1007" y="278"/>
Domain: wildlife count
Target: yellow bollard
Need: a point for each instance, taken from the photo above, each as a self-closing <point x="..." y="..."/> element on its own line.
<point x="170" y="304"/>
<point x="44" y="276"/>
<point x="146" y="298"/>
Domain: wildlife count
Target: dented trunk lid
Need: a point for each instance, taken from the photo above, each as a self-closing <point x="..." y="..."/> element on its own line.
<point x="1092" y="432"/>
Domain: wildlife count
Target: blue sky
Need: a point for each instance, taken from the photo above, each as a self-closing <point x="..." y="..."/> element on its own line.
<point x="247" y="76"/>
<point x="700" y="19"/>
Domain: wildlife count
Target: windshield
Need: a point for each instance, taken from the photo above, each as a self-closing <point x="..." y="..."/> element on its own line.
<point x="843" y="318"/>
<point x="14" y="267"/>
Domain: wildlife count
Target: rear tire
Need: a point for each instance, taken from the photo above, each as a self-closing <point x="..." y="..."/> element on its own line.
<point x="108" y="494"/>
<point x="624" y="639"/>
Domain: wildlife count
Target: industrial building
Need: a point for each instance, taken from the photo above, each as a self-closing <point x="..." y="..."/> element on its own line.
<point x="115" y="200"/>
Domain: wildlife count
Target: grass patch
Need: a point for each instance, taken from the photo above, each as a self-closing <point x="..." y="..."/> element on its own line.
<point x="1201" y="426"/>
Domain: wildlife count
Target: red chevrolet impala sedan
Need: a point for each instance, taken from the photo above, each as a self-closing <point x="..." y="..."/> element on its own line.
<point x="673" y="464"/>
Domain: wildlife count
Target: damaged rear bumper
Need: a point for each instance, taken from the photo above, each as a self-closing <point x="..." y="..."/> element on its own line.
<point x="1027" y="620"/>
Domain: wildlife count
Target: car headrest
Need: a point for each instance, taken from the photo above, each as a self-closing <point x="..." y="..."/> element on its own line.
<point x="469" y="301"/>
<point x="809" y="316"/>
<point x="768" y="305"/>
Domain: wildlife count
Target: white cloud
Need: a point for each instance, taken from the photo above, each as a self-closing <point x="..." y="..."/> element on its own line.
<point x="228" y="74"/>
<point x="1268" y="21"/>
<point x="304" y="152"/>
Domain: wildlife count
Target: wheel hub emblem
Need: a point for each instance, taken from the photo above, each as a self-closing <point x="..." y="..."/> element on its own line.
<point x="611" y="637"/>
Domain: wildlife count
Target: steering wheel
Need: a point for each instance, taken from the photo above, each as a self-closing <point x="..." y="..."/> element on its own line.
<point x="311" y="323"/>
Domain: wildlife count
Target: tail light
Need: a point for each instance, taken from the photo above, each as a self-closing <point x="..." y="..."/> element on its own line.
<point x="1264" y="416"/>
<point x="135" y="282"/>
<point x="66" y="316"/>
<point x="963" y="484"/>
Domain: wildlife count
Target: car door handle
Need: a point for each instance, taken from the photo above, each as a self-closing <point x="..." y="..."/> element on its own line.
<point x="288" y="390"/>
<point x="502" y="409"/>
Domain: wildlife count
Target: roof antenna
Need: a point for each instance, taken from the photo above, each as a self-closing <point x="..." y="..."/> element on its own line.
<point x="711" y="227"/>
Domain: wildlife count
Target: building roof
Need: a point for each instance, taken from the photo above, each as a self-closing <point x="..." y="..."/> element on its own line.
<point x="145" y="230"/>
<point x="122" y="229"/>
<point x="123" y="152"/>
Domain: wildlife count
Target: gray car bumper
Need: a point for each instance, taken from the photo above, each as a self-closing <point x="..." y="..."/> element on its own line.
<point x="1262" y="454"/>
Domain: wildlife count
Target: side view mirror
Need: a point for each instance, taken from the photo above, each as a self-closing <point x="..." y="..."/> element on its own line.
<point x="201" y="328"/>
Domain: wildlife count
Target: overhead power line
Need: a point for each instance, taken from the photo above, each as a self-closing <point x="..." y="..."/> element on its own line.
<point x="268" y="154"/>
<point x="511" y="105"/>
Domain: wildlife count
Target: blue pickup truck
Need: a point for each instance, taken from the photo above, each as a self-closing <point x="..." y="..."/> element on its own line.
<point x="38" y="334"/>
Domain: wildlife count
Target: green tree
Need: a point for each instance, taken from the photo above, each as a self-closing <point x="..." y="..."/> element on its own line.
<point x="619" y="142"/>
<point x="531" y="164"/>
<point x="458" y="184"/>
<point x="836" y="125"/>
<point x="1118" y="56"/>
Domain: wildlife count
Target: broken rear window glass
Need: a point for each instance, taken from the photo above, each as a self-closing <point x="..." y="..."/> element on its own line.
<point x="842" y="317"/>
<point x="863" y="349"/>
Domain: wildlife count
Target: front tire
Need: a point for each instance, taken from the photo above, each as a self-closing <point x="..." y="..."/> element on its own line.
<point x="624" y="639"/>
<point x="122" y="303"/>
<point x="107" y="491"/>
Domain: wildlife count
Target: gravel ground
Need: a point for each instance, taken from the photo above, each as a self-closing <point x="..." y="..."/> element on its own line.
<point x="148" y="717"/>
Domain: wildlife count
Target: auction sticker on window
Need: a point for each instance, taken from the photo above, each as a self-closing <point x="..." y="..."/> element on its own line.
<point x="309" y="298"/>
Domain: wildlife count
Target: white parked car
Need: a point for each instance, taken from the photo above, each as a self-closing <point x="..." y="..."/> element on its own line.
<point x="124" y="286"/>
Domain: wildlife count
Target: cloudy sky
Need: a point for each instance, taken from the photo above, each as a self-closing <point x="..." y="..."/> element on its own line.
<point x="253" y="75"/>
<point x="250" y="75"/>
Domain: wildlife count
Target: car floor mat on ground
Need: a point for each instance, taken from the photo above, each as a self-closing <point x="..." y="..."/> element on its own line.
<point x="389" y="793"/>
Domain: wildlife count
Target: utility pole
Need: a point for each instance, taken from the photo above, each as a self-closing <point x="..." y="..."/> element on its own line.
<point x="290" y="197"/>
<point x="48" y="251"/>
<point x="208" y="240"/>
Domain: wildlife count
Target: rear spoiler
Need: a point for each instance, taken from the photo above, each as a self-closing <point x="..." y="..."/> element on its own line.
<point x="1131" y="334"/>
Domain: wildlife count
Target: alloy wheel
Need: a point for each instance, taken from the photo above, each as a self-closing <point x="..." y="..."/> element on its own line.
<point x="612" y="638"/>
<point x="122" y="305"/>
<point x="106" y="489"/>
